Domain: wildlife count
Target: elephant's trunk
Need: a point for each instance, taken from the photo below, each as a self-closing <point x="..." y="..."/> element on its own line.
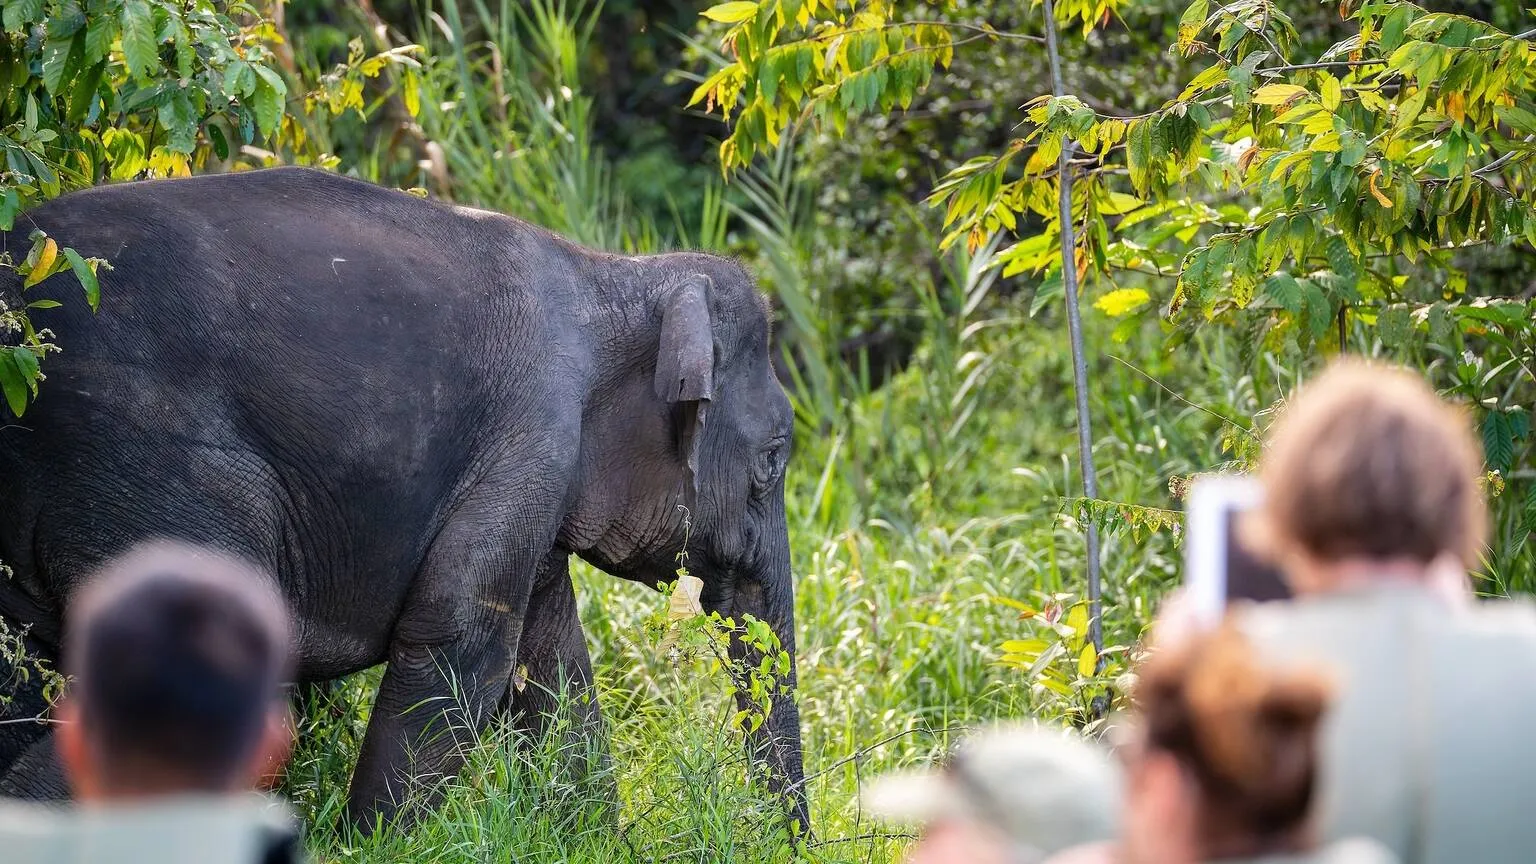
<point x="768" y="594"/>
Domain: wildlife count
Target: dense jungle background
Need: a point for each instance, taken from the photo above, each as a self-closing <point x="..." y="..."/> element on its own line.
<point x="936" y="501"/>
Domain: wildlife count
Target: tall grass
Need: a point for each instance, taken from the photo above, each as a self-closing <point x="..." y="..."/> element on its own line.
<point x="913" y="508"/>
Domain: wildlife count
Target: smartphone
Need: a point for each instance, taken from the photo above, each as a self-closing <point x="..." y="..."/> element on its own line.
<point x="1218" y="568"/>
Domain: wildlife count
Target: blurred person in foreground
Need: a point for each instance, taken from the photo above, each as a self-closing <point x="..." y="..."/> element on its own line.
<point x="174" y="716"/>
<point x="1222" y="760"/>
<point x="1373" y="510"/>
<point x="1011" y="795"/>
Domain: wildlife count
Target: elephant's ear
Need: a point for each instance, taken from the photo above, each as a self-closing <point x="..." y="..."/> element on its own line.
<point x="685" y="362"/>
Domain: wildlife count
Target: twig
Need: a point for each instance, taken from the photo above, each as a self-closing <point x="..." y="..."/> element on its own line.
<point x="1502" y="160"/>
<point x="1324" y="64"/>
<point x="1166" y="389"/>
<point x="873" y="835"/>
<point x="865" y="751"/>
<point x="986" y="32"/>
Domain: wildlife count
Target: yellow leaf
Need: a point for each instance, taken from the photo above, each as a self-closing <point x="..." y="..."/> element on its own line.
<point x="1122" y="301"/>
<point x="1332" y="93"/>
<point x="1456" y="106"/>
<point x="1277" y="94"/>
<point x="1118" y="204"/>
<point x="44" y="266"/>
<point x="1077" y="619"/>
<point x="1376" y="193"/>
<point x="731" y="13"/>
<point x="1087" y="661"/>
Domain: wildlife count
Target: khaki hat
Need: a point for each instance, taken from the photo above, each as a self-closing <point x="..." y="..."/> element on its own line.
<point x="1044" y="790"/>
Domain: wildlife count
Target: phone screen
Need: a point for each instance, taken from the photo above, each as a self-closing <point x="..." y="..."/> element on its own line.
<point x="1248" y="577"/>
<point x="1219" y="569"/>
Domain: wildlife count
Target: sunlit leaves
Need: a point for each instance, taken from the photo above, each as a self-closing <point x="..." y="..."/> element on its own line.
<point x="118" y="91"/>
<point x="797" y="60"/>
<point x="731" y="13"/>
<point x="139" y="43"/>
<point x="1122" y="301"/>
<point x="1278" y="94"/>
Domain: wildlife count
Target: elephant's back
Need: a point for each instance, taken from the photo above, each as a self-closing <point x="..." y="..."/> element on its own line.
<point x="293" y="363"/>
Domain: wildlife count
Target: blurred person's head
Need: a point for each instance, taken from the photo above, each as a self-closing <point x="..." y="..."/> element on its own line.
<point x="1369" y="475"/>
<point x="1222" y="762"/>
<point x="1012" y="795"/>
<point x="177" y="658"/>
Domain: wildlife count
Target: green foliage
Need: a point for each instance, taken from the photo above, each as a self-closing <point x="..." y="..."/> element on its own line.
<point x="1070" y="679"/>
<point x="1312" y="204"/>
<point x="114" y="90"/>
<point x="22" y="665"/>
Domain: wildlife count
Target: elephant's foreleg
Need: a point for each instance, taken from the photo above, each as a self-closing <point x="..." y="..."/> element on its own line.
<point x="37" y="774"/>
<point x="432" y="705"/>
<point x="24" y="728"/>
<point x="552" y="688"/>
<point x="554" y="671"/>
<point x="450" y="660"/>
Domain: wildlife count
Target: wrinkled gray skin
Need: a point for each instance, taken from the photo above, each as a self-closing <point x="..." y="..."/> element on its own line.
<point x="413" y="415"/>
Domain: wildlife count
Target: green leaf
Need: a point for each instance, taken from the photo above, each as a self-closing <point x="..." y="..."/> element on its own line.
<point x="1139" y="153"/>
<point x="1319" y="310"/>
<point x="217" y="139"/>
<point x="86" y="273"/>
<point x="99" y="35"/>
<point x="1342" y="261"/>
<point x="731" y="13"/>
<point x="1122" y="301"/>
<point x="26" y="363"/>
<point x="1498" y="441"/>
<point x="11" y="378"/>
<point x="1395" y="326"/>
<point x="1530" y="509"/>
<point x="268" y="100"/>
<point x="180" y="123"/>
<point x="61" y="62"/>
<point x="19" y="13"/>
<point x="139" y="46"/>
<point x="84" y="94"/>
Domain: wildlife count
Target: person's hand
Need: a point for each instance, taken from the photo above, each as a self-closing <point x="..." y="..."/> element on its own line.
<point x="1448" y="581"/>
<point x="1176" y="621"/>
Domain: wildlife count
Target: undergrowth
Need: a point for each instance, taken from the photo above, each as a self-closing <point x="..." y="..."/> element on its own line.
<point x="932" y="519"/>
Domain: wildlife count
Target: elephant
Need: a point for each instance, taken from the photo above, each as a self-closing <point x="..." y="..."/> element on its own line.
<point x="412" y="414"/>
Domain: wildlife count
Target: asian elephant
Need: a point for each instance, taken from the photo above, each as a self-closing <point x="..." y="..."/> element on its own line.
<point x="412" y="414"/>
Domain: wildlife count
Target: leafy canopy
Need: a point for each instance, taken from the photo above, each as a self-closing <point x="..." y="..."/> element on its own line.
<point x="1308" y="201"/>
<point x="111" y="90"/>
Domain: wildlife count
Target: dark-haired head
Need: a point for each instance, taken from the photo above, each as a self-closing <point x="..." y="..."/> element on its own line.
<point x="177" y="657"/>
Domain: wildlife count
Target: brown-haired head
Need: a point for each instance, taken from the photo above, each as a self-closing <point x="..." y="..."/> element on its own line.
<point x="1246" y="737"/>
<point x="1367" y="462"/>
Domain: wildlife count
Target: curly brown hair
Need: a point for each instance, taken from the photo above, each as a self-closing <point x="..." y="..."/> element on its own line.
<point x="1367" y="461"/>
<point x="1246" y="736"/>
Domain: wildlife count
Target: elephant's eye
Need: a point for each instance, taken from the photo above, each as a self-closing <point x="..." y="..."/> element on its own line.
<point x="770" y="463"/>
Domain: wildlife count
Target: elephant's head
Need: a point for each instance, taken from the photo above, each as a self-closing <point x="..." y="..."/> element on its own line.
<point x="686" y="442"/>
